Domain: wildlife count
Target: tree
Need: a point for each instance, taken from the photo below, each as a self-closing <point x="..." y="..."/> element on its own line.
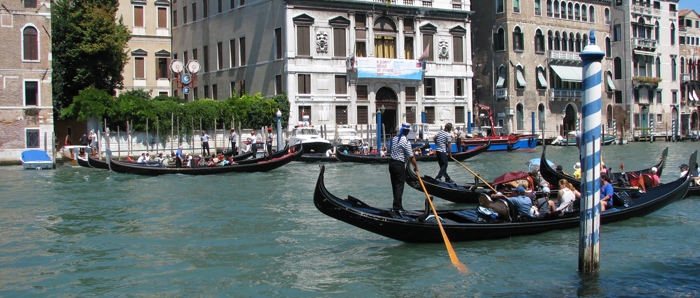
<point x="89" y="48"/>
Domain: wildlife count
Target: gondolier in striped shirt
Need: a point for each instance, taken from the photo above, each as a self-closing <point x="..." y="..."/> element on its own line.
<point x="400" y="153"/>
<point x="442" y="145"/>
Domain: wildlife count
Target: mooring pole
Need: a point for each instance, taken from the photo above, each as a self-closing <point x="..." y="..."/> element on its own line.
<point x="589" y="235"/>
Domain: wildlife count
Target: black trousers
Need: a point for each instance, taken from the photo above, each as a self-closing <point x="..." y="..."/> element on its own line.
<point x="205" y="146"/>
<point x="254" y="148"/>
<point x="442" y="161"/>
<point x="178" y="162"/>
<point x="397" y="172"/>
<point x="233" y="148"/>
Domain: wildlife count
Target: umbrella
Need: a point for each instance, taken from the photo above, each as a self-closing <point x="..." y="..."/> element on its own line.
<point x="510" y="176"/>
<point x="536" y="162"/>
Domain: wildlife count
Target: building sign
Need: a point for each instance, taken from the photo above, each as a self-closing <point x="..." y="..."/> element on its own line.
<point x="398" y="69"/>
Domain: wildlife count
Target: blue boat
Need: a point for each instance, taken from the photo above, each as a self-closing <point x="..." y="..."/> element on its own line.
<point x="36" y="159"/>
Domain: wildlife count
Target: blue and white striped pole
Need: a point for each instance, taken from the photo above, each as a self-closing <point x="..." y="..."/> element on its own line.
<point x="589" y="235"/>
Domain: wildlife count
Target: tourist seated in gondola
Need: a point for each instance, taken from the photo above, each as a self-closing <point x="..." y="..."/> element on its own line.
<point x="417" y="152"/>
<point x="382" y="152"/>
<point x="650" y="179"/>
<point x="329" y="153"/>
<point x="567" y="195"/>
<point x="577" y="171"/>
<point x="606" y="193"/>
<point x="522" y="203"/>
<point x="544" y="206"/>
<point x="539" y="182"/>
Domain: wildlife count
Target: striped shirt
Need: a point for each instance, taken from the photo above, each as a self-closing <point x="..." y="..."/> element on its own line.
<point x="400" y="149"/>
<point x="441" y="141"/>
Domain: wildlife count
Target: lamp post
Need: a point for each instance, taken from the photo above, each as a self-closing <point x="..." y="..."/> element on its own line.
<point x="469" y="122"/>
<point x="279" y="130"/>
<point x="379" y="127"/>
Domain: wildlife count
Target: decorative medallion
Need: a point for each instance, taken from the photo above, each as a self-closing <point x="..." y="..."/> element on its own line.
<point x="443" y="51"/>
<point x="321" y="42"/>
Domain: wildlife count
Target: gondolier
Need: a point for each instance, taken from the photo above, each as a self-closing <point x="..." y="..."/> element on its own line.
<point x="442" y="145"/>
<point x="401" y="152"/>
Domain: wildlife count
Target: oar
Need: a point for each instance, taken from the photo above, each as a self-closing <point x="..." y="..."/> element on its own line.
<point x="453" y="256"/>
<point x="475" y="174"/>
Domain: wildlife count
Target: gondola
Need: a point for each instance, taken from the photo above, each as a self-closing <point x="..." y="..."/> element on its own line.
<point x="317" y="157"/>
<point x="374" y="158"/>
<point x="261" y="166"/>
<point x="275" y="154"/>
<point x="469" y="225"/>
<point x="239" y="157"/>
<point x="552" y="176"/>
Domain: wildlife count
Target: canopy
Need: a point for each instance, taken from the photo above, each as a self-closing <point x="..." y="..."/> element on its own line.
<point x="520" y="77"/>
<point x="568" y="73"/>
<point x="510" y="176"/>
<point x="541" y="79"/>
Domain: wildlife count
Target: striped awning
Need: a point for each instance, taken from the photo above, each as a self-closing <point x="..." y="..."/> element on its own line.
<point x="541" y="79"/>
<point x="501" y="81"/>
<point x="611" y="84"/>
<point x="520" y="77"/>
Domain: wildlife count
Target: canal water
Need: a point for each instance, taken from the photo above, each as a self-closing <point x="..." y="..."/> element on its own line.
<point x="85" y="232"/>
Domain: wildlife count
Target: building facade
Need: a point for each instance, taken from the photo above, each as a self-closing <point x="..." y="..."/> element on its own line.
<point x="148" y="67"/>
<point x="527" y="63"/>
<point x="26" y="109"/>
<point x="339" y="62"/>
<point x="645" y="65"/>
<point x="689" y="34"/>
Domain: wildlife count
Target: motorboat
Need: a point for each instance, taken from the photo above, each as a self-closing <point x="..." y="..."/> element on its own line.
<point x="36" y="159"/>
<point x="310" y="137"/>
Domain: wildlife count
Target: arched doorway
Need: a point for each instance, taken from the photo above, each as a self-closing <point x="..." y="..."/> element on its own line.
<point x="387" y="98"/>
<point x="609" y="116"/>
<point x="694" y="122"/>
<point x="570" y="118"/>
<point x="675" y="126"/>
<point x="520" y="117"/>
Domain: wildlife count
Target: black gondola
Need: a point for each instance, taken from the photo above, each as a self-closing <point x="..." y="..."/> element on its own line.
<point x="375" y="158"/>
<point x="468" y="225"/>
<point x="552" y="176"/>
<point x="260" y="166"/>
<point x="275" y="154"/>
<point x="317" y="157"/>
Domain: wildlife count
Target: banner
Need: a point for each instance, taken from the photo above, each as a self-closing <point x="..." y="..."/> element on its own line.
<point x="397" y="69"/>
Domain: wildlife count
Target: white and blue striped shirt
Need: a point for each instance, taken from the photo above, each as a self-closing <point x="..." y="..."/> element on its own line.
<point x="441" y="141"/>
<point x="400" y="149"/>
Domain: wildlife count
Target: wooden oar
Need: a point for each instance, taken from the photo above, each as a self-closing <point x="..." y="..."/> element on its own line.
<point x="475" y="174"/>
<point x="453" y="256"/>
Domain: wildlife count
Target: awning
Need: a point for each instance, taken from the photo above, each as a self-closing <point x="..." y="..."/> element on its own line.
<point x="541" y="79"/>
<point x="501" y="81"/>
<point x="520" y="77"/>
<point x="611" y="84"/>
<point x="568" y="73"/>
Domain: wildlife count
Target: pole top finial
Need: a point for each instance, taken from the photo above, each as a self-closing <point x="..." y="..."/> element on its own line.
<point x="592" y="37"/>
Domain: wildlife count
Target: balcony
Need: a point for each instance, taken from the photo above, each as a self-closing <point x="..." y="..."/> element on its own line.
<point x="566" y="94"/>
<point x="645" y="43"/>
<point x="685" y="77"/>
<point x="648" y="82"/>
<point x="502" y="93"/>
<point x="564" y="56"/>
<point x="643" y="10"/>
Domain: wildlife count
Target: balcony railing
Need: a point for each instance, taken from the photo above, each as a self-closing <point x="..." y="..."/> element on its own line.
<point x="645" y="43"/>
<point x="502" y="93"/>
<point x="562" y="55"/>
<point x="559" y="94"/>
<point x="642" y="9"/>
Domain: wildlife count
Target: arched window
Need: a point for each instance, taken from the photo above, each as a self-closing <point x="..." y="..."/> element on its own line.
<point x="577" y="12"/>
<point x="538" y="7"/>
<point x="609" y="87"/>
<point x="500" y="40"/>
<point x="570" y="11"/>
<point x="673" y="69"/>
<point x="517" y="39"/>
<point x="591" y="14"/>
<point x="618" y="68"/>
<point x="578" y="42"/>
<point x="584" y="13"/>
<point x="673" y="34"/>
<point x="30" y="44"/>
<point x="563" y="10"/>
<point x="571" y="42"/>
<point x="541" y="78"/>
<point x="608" y="47"/>
<point x="520" y="82"/>
<point x="656" y="31"/>
<point x="549" y="8"/>
<point x="550" y="40"/>
<point x="584" y="41"/>
<point x="658" y="67"/>
<point x="557" y="9"/>
<point x="564" y="41"/>
<point x="499" y="6"/>
<point x="683" y="64"/>
<point x="502" y="77"/>
<point x="520" y="116"/>
<point x="539" y="41"/>
<point x="607" y="16"/>
<point x="384" y="38"/>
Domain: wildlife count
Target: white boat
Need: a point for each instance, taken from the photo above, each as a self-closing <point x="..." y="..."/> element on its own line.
<point x="310" y="137"/>
<point x="36" y="159"/>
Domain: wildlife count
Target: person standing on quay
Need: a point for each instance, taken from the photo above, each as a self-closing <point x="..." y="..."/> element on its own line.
<point x="232" y="137"/>
<point x="205" y="143"/>
<point x="442" y="145"/>
<point x="400" y="153"/>
<point x="178" y="157"/>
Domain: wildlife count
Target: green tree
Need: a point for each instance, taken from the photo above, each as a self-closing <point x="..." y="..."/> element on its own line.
<point x="88" y="46"/>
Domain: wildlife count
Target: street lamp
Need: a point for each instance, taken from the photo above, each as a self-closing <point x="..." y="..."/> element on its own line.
<point x="279" y="130"/>
<point x="379" y="127"/>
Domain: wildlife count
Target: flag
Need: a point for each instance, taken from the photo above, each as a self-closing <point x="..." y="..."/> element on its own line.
<point x="426" y="52"/>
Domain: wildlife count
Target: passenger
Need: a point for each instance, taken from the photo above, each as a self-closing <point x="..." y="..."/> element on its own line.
<point x="142" y="158"/>
<point x="189" y="160"/>
<point x="655" y="176"/>
<point x="521" y="203"/>
<point x="329" y="153"/>
<point x="684" y="170"/>
<point x="538" y="180"/>
<point x="560" y="170"/>
<point x="606" y="193"/>
<point x="567" y="196"/>
<point x="501" y="191"/>
<point x="128" y="158"/>
<point x="577" y="171"/>
<point x="545" y="206"/>
<point x="67" y="141"/>
<point x="160" y="158"/>
<point x="179" y="158"/>
<point x="382" y="153"/>
<point x="148" y="157"/>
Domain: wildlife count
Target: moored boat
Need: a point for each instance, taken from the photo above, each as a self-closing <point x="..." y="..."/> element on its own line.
<point x="310" y="137"/>
<point x="469" y="225"/>
<point x="375" y="158"/>
<point x="500" y="142"/>
<point x="260" y="166"/>
<point x="36" y="159"/>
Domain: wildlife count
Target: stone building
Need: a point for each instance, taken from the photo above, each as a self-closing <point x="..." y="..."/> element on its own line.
<point x="339" y="62"/>
<point x="689" y="41"/>
<point x="148" y="67"/>
<point x="26" y="109"/>
<point x="527" y="64"/>
<point x="645" y="53"/>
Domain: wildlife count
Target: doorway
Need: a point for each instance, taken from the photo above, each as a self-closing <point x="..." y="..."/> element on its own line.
<point x="387" y="102"/>
<point x="570" y="118"/>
